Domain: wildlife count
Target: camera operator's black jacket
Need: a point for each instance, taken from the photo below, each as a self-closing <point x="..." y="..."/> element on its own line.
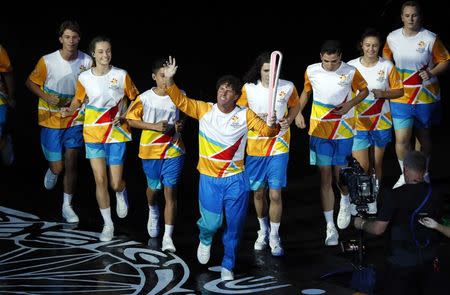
<point x="411" y="243"/>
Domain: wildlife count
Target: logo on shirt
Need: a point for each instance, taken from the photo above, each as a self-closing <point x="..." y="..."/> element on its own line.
<point x="381" y="76"/>
<point x="343" y="80"/>
<point x="235" y="121"/>
<point x="113" y="84"/>
<point x="281" y="97"/>
<point x="82" y="68"/>
<point x="420" y="47"/>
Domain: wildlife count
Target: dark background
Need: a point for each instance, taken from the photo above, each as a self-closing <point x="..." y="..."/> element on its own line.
<point x="208" y="39"/>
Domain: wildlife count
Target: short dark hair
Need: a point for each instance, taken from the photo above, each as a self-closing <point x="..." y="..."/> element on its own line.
<point x="331" y="47"/>
<point x="413" y="4"/>
<point x="158" y="63"/>
<point x="69" y="25"/>
<point x="233" y="81"/>
<point x="416" y="161"/>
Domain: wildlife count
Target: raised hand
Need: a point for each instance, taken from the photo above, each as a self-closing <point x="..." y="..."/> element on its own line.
<point x="170" y="68"/>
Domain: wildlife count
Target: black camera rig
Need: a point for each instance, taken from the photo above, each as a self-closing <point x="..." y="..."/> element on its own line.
<point x="362" y="187"/>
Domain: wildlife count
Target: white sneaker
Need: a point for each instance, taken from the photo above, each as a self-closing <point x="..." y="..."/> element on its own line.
<point x="203" y="253"/>
<point x="50" y="179"/>
<point x="275" y="246"/>
<point x="69" y="215"/>
<point x="332" y="235"/>
<point x="353" y="210"/>
<point x="400" y="182"/>
<point x="107" y="233"/>
<point x="344" y="216"/>
<point x="8" y="151"/>
<point x="122" y="205"/>
<point x="153" y="224"/>
<point x="261" y="241"/>
<point x="226" y="274"/>
<point x="372" y="208"/>
<point x="426" y="177"/>
<point x="167" y="244"/>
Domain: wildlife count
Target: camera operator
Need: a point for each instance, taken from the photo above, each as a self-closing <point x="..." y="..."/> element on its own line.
<point x="413" y="267"/>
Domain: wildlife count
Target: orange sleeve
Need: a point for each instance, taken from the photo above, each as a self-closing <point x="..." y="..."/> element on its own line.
<point x="395" y="82"/>
<point x="254" y="122"/>
<point x="307" y="85"/>
<point x="130" y="89"/>
<point x="135" y="111"/>
<point x="80" y="92"/>
<point x="439" y="52"/>
<point x="5" y="63"/>
<point x="358" y="82"/>
<point x="39" y="74"/>
<point x="242" y="101"/>
<point x="294" y="99"/>
<point x="191" y="107"/>
<point x="387" y="53"/>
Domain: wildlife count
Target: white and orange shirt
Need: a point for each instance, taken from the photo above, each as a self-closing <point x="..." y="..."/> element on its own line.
<point x="222" y="136"/>
<point x="106" y="102"/>
<point x="152" y="108"/>
<point x="373" y="113"/>
<point x="330" y="89"/>
<point x="5" y="67"/>
<point x="59" y="76"/>
<point x="256" y="97"/>
<point x="411" y="55"/>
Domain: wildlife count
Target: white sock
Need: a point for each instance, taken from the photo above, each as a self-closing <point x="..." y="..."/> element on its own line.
<point x="168" y="230"/>
<point x="263" y="224"/>
<point x="122" y="193"/>
<point x="328" y="216"/>
<point x="401" y="165"/>
<point x="67" y="199"/>
<point x="106" y="214"/>
<point x="345" y="200"/>
<point x="274" y="226"/>
<point x="154" y="210"/>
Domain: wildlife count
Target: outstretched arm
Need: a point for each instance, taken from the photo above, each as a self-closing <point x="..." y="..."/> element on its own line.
<point x="191" y="107"/>
<point x="431" y="223"/>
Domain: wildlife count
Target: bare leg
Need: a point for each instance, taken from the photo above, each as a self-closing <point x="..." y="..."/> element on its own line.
<point x="170" y="209"/>
<point x="101" y="182"/>
<point x="326" y="188"/>
<point x="362" y="156"/>
<point x="259" y="198"/>
<point x="70" y="173"/>
<point x="379" y="154"/>
<point x="276" y="205"/>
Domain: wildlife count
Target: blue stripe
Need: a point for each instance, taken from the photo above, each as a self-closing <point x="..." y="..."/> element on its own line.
<point x="61" y="95"/>
<point x="122" y="132"/>
<point x="402" y="71"/>
<point x="90" y="107"/>
<point x="330" y="106"/>
<point x="211" y="140"/>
